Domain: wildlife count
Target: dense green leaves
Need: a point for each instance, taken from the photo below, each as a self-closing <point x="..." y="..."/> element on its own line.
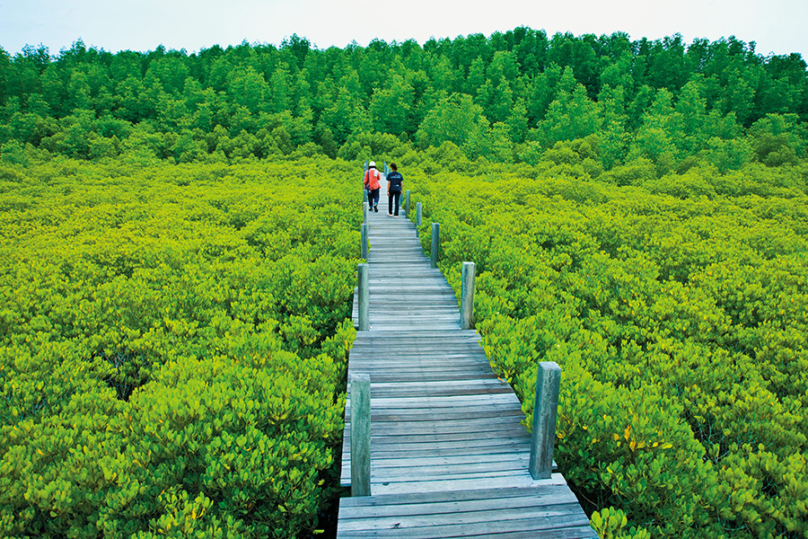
<point x="662" y="100"/>
<point x="173" y="343"/>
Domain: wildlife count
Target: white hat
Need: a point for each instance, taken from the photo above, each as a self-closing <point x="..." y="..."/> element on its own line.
<point x="372" y="164"/>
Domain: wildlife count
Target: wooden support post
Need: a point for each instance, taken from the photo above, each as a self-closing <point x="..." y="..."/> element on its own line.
<point x="435" y="245"/>
<point x="364" y="298"/>
<point x="360" y="435"/>
<point x="407" y="207"/>
<point x="364" y="229"/>
<point x="364" y="195"/>
<point x="365" y="212"/>
<point x="548" y="381"/>
<point x="467" y="296"/>
<point x="418" y="214"/>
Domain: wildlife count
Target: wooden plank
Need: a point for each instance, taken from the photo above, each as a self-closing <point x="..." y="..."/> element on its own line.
<point x="474" y="447"/>
<point x="393" y="344"/>
<point x="464" y="484"/>
<point x="438" y="436"/>
<point x="573" y="532"/>
<point x="454" y="496"/>
<point x="452" y="452"/>
<point x="454" y="415"/>
<point x="568" y="512"/>
<point x="437" y="391"/>
<point x="479" y="414"/>
<point x="385" y="457"/>
<point x="517" y="467"/>
<point x="385" y="376"/>
<point x="568" y="531"/>
<point x="414" y="361"/>
<point x="454" y="460"/>
<point x="394" y="349"/>
<point x="468" y="453"/>
<point x="441" y="445"/>
<point x="408" y="461"/>
<point x="411" y="463"/>
<point x="481" y="386"/>
<point x="438" y="386"/>
<point x="481" y="426"/>
<point x="420" y="363"/>
<point x="425" y="336"/>
<point x="423" y="365"/>
<point x="419" y="402"/>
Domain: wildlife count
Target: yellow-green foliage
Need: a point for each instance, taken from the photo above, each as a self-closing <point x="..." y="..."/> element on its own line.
<point x="173" y="343"/>
<point x="677" y="309"/>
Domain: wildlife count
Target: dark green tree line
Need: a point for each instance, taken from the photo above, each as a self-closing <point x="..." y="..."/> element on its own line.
<point x="662" y="100"/>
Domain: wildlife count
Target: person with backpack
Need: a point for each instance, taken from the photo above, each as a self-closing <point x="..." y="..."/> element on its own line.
<point x="394" y="181"/>
<point x="372" y="184"/>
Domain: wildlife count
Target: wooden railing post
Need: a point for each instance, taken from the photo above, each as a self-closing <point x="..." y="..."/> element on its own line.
<point x="407" y="206"/>
<point x="364" y="191"/>
<point x="548" y="382"/>
<point x="467" y="296"/>
<point x="418" y="214"/>
<point x="360" y="434"/>
<point x="364" y="229"/>
<point x="364" y="298"/>
<point x="365" y="212"/>
<point x="435" y="245"/>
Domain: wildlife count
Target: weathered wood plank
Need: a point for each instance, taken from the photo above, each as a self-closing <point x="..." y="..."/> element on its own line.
<point x="425" y="401"/>
<point x="540" y="491"/>
<point x="558" y="530"/>
<point x="481" y="426"/>
<point x="454" y="415"/>
<point x="439" y="436"/>
<point x="400" y="362"/>
<point x="467" y="517"/>
<point x="384" y="460"/>
<point x="477" y="414"/>
<point x="453" y="448"/>
<point x="463" y="484"/>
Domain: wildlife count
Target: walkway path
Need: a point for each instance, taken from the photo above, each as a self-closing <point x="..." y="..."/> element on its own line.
<point x="449" y="455"/>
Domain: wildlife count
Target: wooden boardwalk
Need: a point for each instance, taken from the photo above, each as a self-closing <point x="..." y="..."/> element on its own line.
<point x="449" y="455"/>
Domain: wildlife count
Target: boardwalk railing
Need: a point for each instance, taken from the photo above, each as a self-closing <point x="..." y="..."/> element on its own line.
<point x="435" y="251"/>
<point x="360" y="437"/>
<point x="467" y="296"/>
<point x="434" y="444"/>
<point x="548" y="379"/>
<point x="545" y="411"/>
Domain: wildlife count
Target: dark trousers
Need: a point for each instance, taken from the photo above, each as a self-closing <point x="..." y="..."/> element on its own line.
<point x="373" y="198"/>
<point x="390" y="198"/>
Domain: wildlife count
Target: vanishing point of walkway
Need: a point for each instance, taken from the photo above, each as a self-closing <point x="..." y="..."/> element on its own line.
<point x="449" y="455"/>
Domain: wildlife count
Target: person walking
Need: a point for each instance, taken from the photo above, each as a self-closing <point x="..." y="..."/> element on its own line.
<point x="373" y="186"/>
<point x="394" y="181"/>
